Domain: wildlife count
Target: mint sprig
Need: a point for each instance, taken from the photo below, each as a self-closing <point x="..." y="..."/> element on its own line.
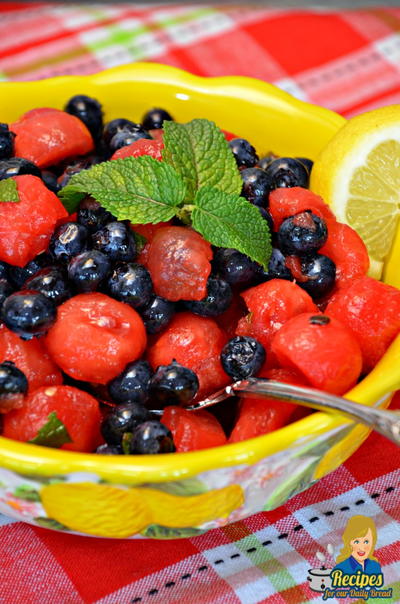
<point x="228" y="220"/>
<point x="52" y="434"/>
<point x="139" y="189"/>
<point x="201" y="187"/>
<point x="201" y="156"/>
<point x="8" y="191"/>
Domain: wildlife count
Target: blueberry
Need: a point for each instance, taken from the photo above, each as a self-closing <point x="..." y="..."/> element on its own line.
<point x="18" y="275"/>
<point x="267" y="216"/>
<point x="28" y="313"/>
<point x="157" y="314"/>
<point x="256" y="186"/>
<point x="244" y="152"/>
<point x="5" y="290"/>
<point x="52" y="283"/>
<point x="109" y="450"/>
<point x="115" y="240"/>
<point x="173" y="384"/>
<point x="6" y="141"/>
<point x="277" y="268"/>
<point x="287" y="172"/>
<point x="317" y="275"/>
<point x="76" y="166"/>
<point x="307" y="163"/>
<point x="131" y="283"/>
<point x="264" y="162"/>
<point x="242" y="357"/>
<point x="88" y="270"/>
<point x="234" y="267"/>
<point x="150" y="438"/>
<point x="15" y="166"/>
<point x="13" y="385"/>
<point x="154" y="119"/>
<point x="4" y="268"/>
<point x="88" y="110"/>
<point x="111" y="128"/>
<point x="50" y="180"/>
<point x="68" y="240"/>
<point x="92" y="215"/>
<point x="217" y="300"/>
<point x="122" y="419"/>
<point x="127" y="136"/>
<point x="132" y="385"/>
<point x="303" y="233"/>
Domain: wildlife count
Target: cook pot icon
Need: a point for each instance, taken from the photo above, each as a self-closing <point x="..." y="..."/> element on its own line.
<point x="320" y="578"/>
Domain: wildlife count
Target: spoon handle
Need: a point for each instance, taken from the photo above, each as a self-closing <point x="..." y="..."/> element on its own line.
<point x="385" y="422"/>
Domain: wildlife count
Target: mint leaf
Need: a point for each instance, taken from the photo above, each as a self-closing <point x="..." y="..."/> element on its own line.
<point x="139" y="189"/>
<point x="228" y="220"/>
<point x="200" y="154"/>
<point x="52" y="434"/>
<point x="8" y="190"/>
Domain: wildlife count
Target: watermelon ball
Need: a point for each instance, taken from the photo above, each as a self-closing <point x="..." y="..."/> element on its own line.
<point x="155" y="118"/>
<point x="30" y="357"/>
<point x="13" y="386"/>
<point x="270" y="305"/>
<point x="28" y="313"/>
<point x="77" y="410"/>
<point x="242" y="357"/>
<point x="194" y="342"/>
<point x="243" y="152"/>
<point x="95" y="337"/>
<point x="303" y="233"/>
<point x="320" y="348"/>
<point x="132" y="385"/>
<point x="179" y="263"/>
<point x="150" y="438"/>
<point x="370" y="309"/>
<point x="122" y="419"/>
<point x="26" y="226"/>
<point x="48" y="136"/>
<point x="140" y="147"/>
<point x="193" y="431"/>
<point x="285" y="202"/>
<point x="348" y="251"/>
<point x="173" y="384"/>
<point x="287" y="172"/>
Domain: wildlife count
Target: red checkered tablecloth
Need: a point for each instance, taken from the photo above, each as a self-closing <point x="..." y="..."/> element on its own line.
<point x="347" y="60"/>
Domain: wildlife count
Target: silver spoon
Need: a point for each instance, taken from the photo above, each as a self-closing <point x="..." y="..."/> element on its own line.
<point x="386" y="423"/>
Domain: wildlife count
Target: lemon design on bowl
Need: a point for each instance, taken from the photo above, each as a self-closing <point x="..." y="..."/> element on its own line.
<point x="355" y="173"/>
<point x="107" y="511"/>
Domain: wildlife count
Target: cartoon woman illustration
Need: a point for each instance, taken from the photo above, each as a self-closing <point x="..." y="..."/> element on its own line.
<point x="359" y="540"/>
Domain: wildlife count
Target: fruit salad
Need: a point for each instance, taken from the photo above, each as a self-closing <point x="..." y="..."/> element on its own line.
<point x="144" y="266"/>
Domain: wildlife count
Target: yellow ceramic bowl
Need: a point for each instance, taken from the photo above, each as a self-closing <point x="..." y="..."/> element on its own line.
<point x="183" y="494"/>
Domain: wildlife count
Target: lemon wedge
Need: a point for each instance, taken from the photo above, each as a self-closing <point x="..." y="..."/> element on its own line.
<point x="358" y="175"/>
